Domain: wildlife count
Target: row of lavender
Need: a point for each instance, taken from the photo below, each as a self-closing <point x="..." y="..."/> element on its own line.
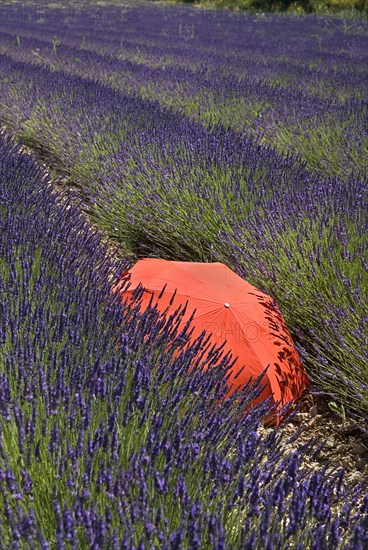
<point x="105" y="441"/>
<point x="163" y="185"/>
<point x="300" y="84"/>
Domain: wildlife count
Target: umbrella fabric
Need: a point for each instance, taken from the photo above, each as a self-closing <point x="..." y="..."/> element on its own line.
<point x="234" y="312"/>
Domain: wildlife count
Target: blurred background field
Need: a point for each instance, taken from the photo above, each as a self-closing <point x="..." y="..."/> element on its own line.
<point x="291" y="6"/>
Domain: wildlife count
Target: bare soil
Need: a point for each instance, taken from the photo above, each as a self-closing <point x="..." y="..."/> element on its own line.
<point x="344" y="440"/>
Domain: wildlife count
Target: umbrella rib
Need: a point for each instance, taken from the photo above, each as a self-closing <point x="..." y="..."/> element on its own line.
<point x="189" y="298"/>
<point x="211" y="312"/>
<point x="254" y="351"/>
<point x="199" y="281"/>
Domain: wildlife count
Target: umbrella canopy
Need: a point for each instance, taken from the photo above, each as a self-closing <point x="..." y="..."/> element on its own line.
<point x="244" y="319"/>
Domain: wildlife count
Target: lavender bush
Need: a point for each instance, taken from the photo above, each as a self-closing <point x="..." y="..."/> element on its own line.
<point x="303" y="92"/>
<point x="213" y="194"/>
<point x="106" y="439"/>
<point x="186" y="135"/>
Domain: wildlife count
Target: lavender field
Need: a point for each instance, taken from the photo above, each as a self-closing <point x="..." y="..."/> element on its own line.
<point x="184" y="134"/>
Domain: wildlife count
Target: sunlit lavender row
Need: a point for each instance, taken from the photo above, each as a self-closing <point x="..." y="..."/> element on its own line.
<point x="298" y="83"/>
<point x="106" y="439"/>
<point x="163" y="184"/>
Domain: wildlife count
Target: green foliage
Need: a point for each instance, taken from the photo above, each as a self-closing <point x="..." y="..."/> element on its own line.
<point x="183" y="213"/>
<point x="315" y="6"/>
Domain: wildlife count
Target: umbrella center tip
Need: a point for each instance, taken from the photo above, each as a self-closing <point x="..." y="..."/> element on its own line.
<point x="226" y="304"/>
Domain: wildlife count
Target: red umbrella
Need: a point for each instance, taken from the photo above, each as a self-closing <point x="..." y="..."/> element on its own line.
<point x="235" y="313"/>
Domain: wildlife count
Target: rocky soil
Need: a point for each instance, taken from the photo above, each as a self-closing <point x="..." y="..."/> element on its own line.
<point x="344" y="440"/>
